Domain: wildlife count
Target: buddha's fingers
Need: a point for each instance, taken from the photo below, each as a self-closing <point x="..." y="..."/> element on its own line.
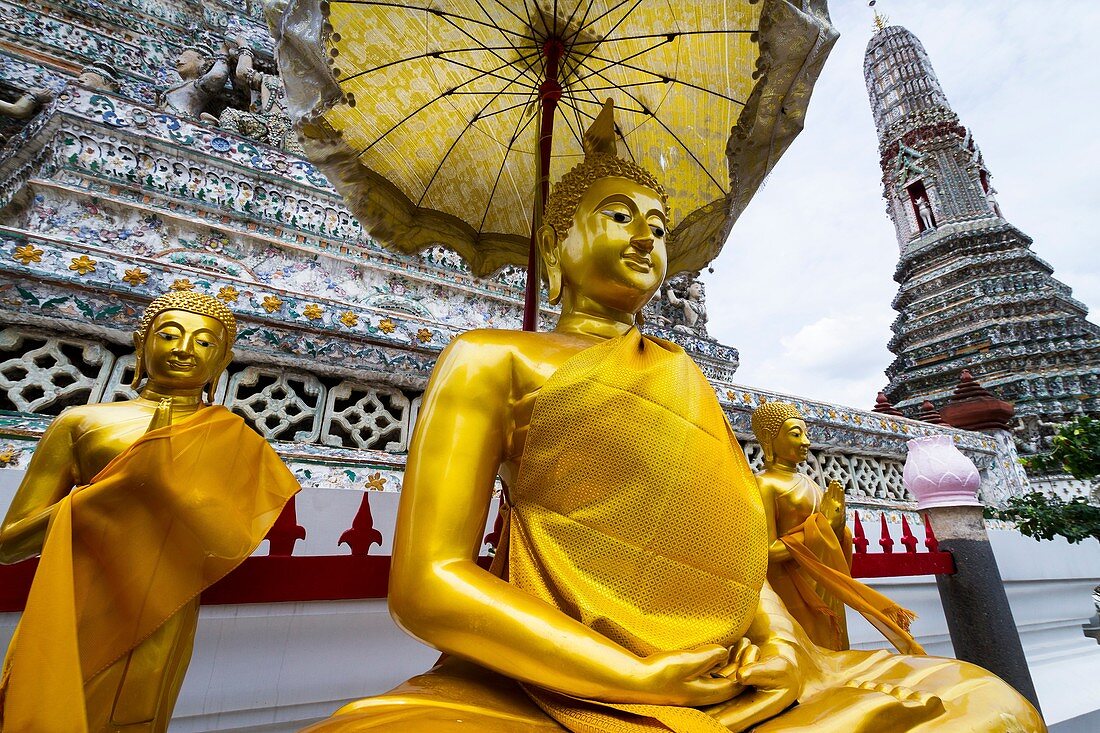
<point x="752" y="708"/>
<point x="162" y="416"/>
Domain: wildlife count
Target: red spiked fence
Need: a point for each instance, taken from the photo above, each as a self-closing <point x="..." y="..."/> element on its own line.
<point x="888" y="564"/>
<point x="281" y="576"/>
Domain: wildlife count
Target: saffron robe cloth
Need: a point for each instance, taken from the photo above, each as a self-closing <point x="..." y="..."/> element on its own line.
<point x="626" y="528"/>
<point x="125" y="559"/>
<point x="816" y="584"/>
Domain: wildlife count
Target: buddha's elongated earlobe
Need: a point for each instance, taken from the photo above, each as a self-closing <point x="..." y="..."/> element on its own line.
<point x="547" y="240"/>
<point x="769" y="454"/>
<point x="211" y="389"/>
<point x="139" y="362"/>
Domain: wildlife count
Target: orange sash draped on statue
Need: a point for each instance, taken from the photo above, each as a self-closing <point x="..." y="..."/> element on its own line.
<point x="168" y="517"/>
<point x="655" y="538"/>
<point x="821" y="560"/>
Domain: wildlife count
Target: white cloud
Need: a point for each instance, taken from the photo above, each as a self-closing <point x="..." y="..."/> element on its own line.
<point x="803" y="287"/>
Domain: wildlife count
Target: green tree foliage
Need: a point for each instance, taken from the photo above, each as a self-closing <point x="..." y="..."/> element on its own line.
<point x="1076" y="451"/>
<point x="1046" y="517"/>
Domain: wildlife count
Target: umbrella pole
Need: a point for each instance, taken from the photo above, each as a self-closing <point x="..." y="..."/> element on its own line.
<point x="549" y="94"/>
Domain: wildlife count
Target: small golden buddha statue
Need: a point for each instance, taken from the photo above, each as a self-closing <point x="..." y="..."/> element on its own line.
<point x="809" y="545"/>
<point x="628" y="593"/>
<point x="135" y="508"/>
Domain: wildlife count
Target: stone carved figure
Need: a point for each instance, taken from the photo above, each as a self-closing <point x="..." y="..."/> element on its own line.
<point x="266" y="119"/>
<point x="924" y="211"/>
<point x="203" y="75"/>
<point x="135" y="508"/>
<point x="692" y="307"/>
<point x="809" y="546"/>
<point x="99" y="76"/>
<point x="25" y="107"/>
<point x="628" y="592"/>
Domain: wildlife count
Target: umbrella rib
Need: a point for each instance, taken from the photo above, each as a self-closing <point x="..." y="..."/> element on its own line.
<point x="458" y="137"/>
<point x="430" y="102"/>
<point x="490" y="17"/>
<point x="568" y="94"/>
<point x="600" y="17"/>
<point x="433" y="11"/>
<point x="675" y="34"/>
<point x="508" y="10"/>
<point x="573" y="130"/>
<point x="675" y="137"/>
<point x="619" y="22"/>
<point x="530" y="21"/>
<point x="596" y="100"/>
<point x="435" y="54"/>
<point x="660" y="77"/>
<point x="569" y="44"/>
<point x="469" y="35"/>
<point x="492" y="72"/>
<point x="573" y="13"/>
<point x="618" y="108"/>
<point x="503" y="162"/>
<point x="622" y="62"/>
<point x="651" y="82"/>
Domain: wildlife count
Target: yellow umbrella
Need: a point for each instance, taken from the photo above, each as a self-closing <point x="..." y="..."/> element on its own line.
<point x="441" y="123"/>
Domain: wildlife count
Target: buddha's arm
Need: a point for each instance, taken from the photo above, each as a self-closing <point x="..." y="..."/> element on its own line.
<point x="48" y="479"/>
<point x="784" y="666"/>
<point x="439" y="594"/>
<point x="777" y="551"/>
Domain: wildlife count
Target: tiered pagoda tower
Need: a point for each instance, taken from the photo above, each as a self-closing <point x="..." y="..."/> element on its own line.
<point x="973" y="294"/>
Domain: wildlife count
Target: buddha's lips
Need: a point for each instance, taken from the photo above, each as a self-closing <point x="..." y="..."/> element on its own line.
<point x="181" y="365"/>
<point x="640" y="260"/>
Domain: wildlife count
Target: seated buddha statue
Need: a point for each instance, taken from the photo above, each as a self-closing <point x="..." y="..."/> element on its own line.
<point x="629" y="590"/>
<point x="809" y="545"/>
<point x="135" y="507"/>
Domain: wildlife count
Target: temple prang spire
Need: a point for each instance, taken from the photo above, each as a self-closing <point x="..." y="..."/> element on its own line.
<point x="972" y="295"/>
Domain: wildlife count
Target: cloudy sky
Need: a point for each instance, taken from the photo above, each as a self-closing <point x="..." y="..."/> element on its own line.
<point x="804" y="285"/>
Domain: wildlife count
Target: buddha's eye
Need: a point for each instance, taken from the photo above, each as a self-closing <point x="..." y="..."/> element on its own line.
<point x="619" y="217"/>
<point x="203" y="343"/>
<point x="167" y="336"/>
<point x="658" y="231"/>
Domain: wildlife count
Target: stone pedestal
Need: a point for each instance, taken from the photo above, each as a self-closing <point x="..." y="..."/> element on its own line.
<point x="945" y="484"/>
<point x="975" y="605"/>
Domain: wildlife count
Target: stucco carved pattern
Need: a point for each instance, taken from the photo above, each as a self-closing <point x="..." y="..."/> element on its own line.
<point x="46" y="375"/>
<point x="366" y="416"/>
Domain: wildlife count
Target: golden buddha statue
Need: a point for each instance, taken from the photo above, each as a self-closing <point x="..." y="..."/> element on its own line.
<point x="135" y="508"/>
<point x="809" y="545"/>
<point x="628" y="593"/>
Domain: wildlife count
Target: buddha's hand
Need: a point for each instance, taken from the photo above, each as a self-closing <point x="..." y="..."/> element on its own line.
<point x="162" y="416"/>
<point x="685" y="678"/>
<point x="832" y="505"/>
<point x="772" y="675"/>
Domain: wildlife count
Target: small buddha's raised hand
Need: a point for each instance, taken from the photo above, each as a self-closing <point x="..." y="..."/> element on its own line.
<point x="832" y="505"/>
<point x="162" y="416"/>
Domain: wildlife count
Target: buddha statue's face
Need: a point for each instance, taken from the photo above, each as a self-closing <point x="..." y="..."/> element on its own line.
<point x="184" y="351"/>
<point x="614" y="254"/>
<point x="792" y="444"/>
<point x="189" y="64"/>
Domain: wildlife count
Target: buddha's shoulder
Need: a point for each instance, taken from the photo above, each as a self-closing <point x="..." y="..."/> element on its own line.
<point x="82" y="417"/>
<point x="487" y="343"/>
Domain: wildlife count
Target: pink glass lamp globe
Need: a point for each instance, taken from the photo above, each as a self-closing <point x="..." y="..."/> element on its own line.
<point x="937" y="473"/>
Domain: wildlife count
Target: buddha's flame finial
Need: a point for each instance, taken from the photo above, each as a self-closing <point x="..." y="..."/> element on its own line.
<point x="600" y="136"/>
<point x="881" y="21"/>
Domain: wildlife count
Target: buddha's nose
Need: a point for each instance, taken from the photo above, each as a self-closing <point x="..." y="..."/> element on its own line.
<point x="642" y="244"/>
